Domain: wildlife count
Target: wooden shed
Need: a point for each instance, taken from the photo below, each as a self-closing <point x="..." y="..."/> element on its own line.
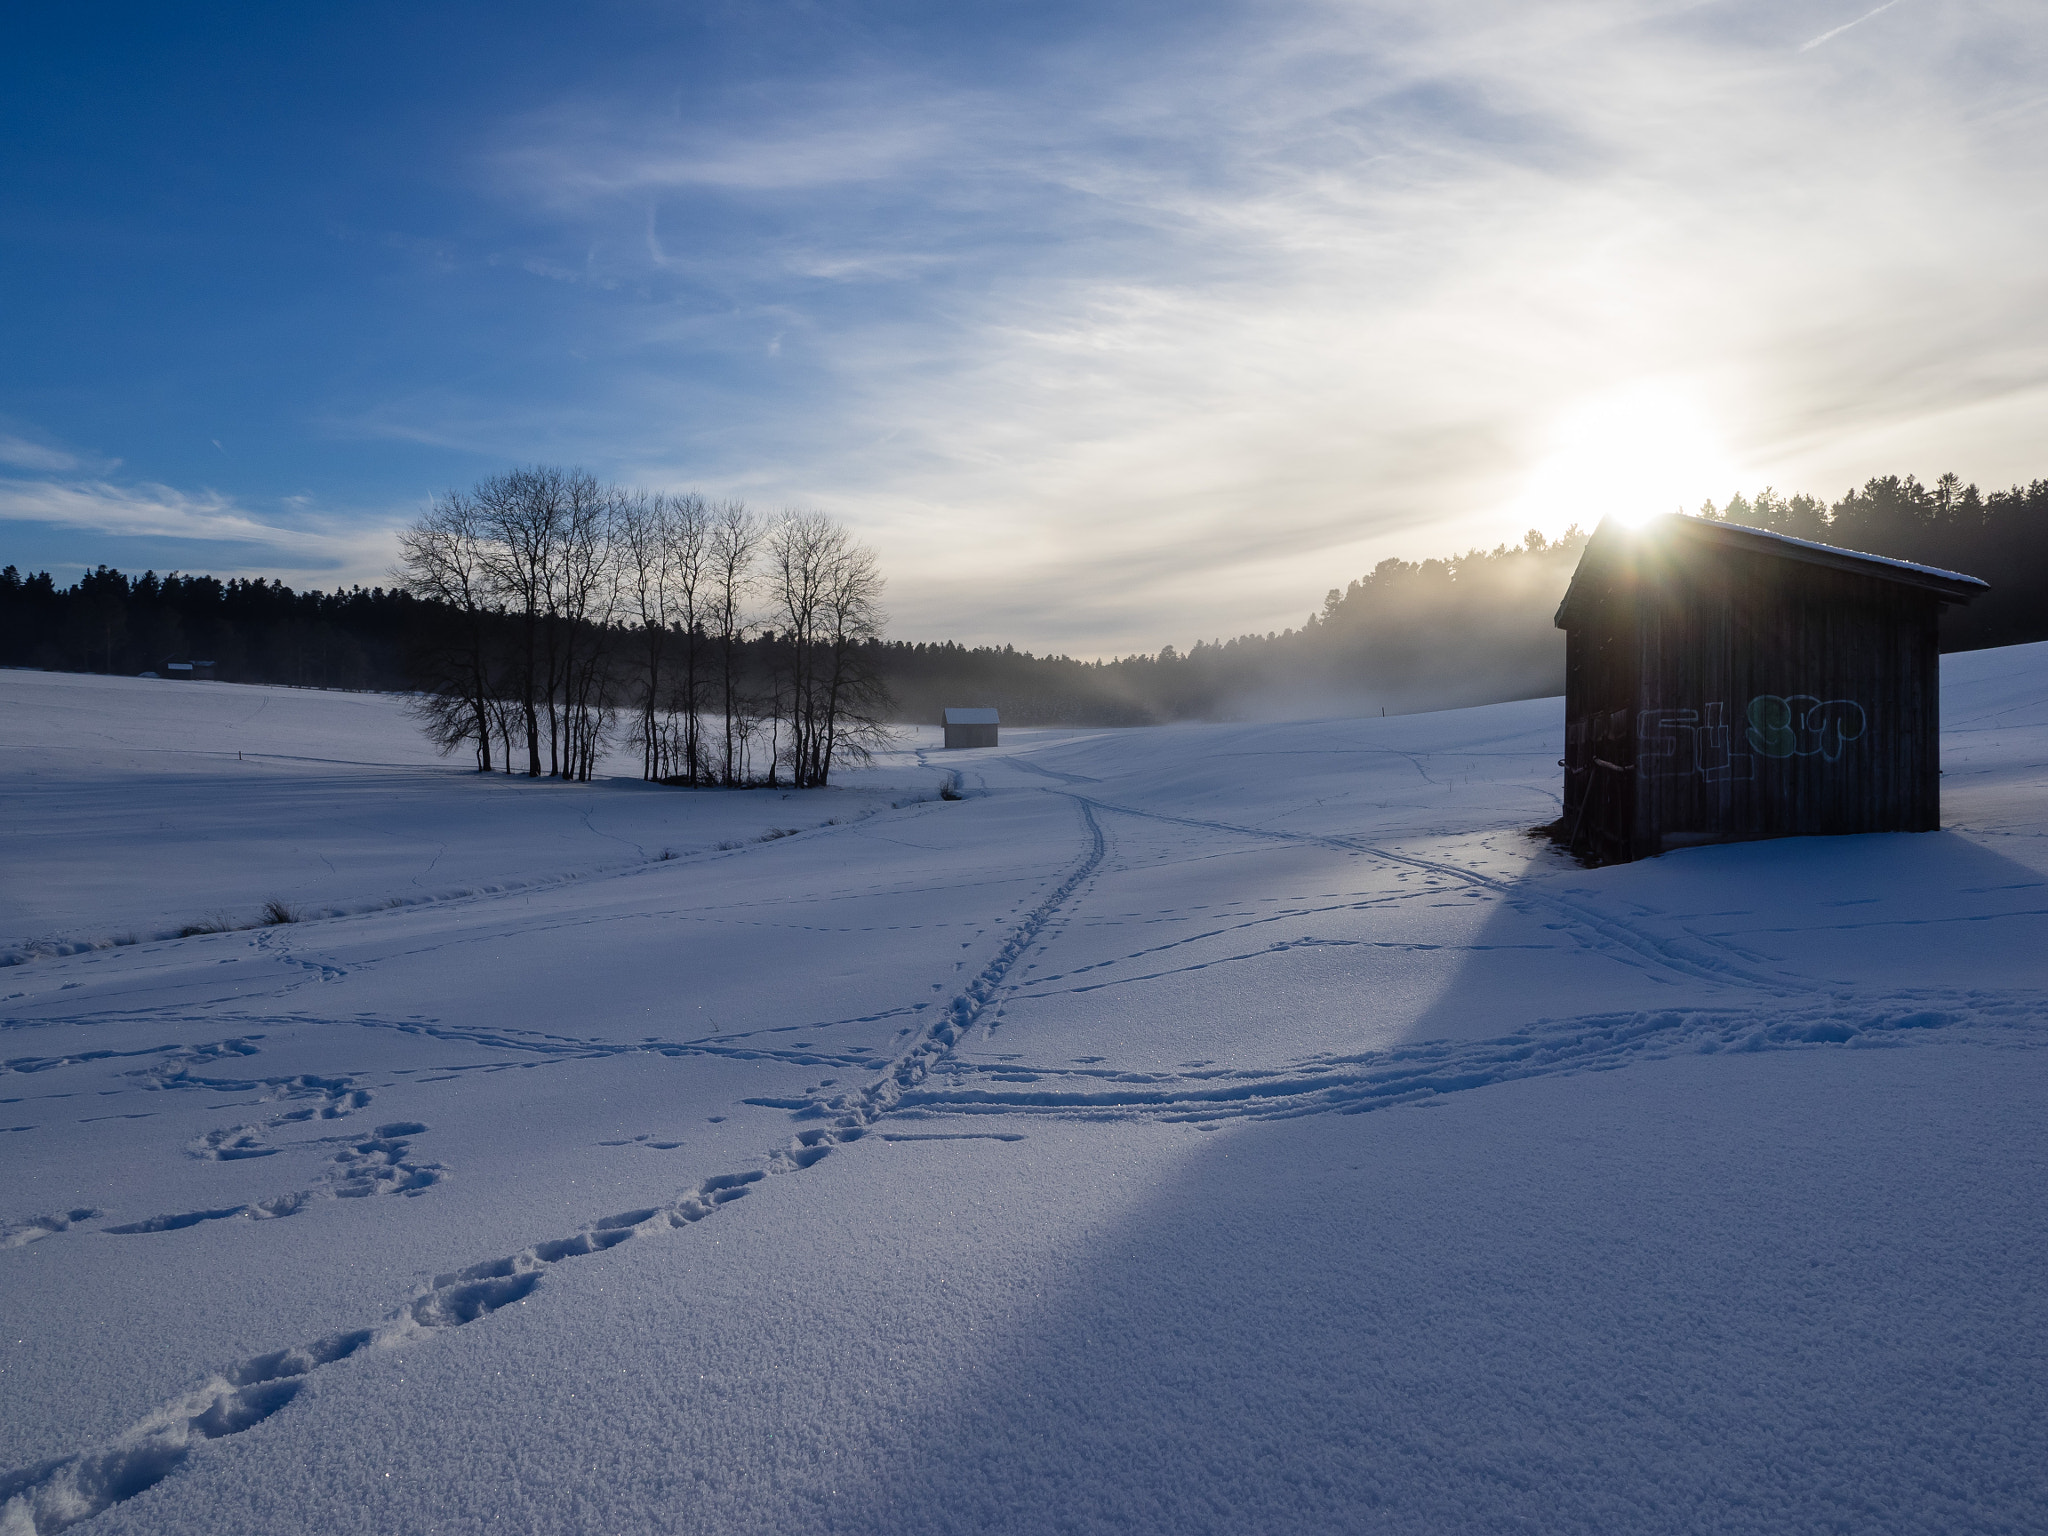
<point x="1723" y="683"/>
<point x="971" y="727"/>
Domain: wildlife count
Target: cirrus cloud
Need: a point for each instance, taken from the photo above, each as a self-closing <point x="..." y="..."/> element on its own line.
<point x="1159" y="342"/>
<point x="224" y="537"/>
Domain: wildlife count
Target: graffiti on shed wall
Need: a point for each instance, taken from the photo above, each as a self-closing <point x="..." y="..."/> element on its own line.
<point x="1801" y="725"/>
<point x="1681" y="743"/>
<point x="1676" y="743"/>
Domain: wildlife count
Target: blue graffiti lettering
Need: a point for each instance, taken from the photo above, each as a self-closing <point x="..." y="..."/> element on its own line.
<point x="1800" y="725"/>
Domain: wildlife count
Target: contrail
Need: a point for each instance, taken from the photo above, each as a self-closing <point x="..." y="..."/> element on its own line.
<point x="1815" y="42"/>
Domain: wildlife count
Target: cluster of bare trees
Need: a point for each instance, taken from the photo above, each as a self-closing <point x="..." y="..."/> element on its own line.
<point x="732" y="649"/>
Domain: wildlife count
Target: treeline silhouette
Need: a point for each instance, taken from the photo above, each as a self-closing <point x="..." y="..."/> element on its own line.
<point x="2002" y="538"/>
<point x="1476" y="628"/>
<point x="252" y="631"/>
<point x="1468" y="629"/>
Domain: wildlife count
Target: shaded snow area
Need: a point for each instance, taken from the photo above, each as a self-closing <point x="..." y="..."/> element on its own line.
<point x="1216" y="1128"/>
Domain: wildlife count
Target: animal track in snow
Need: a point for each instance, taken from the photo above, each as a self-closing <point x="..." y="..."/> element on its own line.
<point x="361" y="1169"/>
<point x="56" y="1494"/>
<point x="952" y="1136"/>
<point x="338" y="1096"/>
<point x="233" y="1143"/>
<point x="182" y="1220"/>
<point x="53" y="1495"/>
<point x="177" y="1058"/>
<point x="378" y="1164"/>
<point x="382" y="1164"/>
<point x="853" y="1111"/>
<point x="35" y="1228"/>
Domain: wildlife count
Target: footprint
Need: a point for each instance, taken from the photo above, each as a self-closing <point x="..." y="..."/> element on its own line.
<point x="176" y="1223"/>
<point x="15" y="1234"/>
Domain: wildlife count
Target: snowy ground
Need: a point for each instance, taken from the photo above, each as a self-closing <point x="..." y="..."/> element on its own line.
<point x="1209" y="1128"/>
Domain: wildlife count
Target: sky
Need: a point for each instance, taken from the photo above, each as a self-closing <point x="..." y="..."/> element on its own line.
<point x="1108" y="326"/>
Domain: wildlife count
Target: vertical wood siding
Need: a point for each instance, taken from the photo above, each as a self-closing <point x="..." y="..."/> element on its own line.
<point x="1714" y="695"/>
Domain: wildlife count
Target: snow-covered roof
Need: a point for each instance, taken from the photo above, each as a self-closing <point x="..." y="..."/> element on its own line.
<point x="971" y="717"/>
<point x="1950" y="586"/>
<point x="1829" y="554"/>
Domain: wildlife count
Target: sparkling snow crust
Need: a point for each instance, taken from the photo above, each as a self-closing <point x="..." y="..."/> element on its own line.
<point x="1211" y="1128"/>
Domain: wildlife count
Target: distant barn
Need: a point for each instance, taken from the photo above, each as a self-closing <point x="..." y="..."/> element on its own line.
<point x="1723" y="683"/>
<point x="971" y="727"/>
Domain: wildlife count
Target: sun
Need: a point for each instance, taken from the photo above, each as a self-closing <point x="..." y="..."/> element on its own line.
<point x="1632" y="454"/>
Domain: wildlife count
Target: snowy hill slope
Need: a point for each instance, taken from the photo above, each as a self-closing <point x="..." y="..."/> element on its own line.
<point x="131" y="808"/>
<point x="1212" y="1128"/>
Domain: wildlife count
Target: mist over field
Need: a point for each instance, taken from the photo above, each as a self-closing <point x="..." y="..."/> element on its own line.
<point x="1405" y="636"/>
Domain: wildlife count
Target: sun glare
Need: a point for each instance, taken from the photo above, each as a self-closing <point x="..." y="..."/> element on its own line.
<point x="1634" y="454"/>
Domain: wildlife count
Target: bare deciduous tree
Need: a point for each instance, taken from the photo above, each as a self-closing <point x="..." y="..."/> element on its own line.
<point x="661" y="557"/>
<point x="825" y="594"/>
<point x="523" y="511"/>
<point x="857" y="698"/>
<point x="688" y="531"/>
<point x="582" y="592"/>
<point x="644" y="578"/>
<point x="559" y="600"/>
<point x="442" y="562"/>
<point x="733" y="544"/>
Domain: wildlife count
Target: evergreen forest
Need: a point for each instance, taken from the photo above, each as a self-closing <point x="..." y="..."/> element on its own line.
<point x="1438" y="633"/>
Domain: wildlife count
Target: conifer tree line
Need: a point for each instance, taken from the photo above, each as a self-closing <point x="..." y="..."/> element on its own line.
<point x="621" y="605"/>
<point x="249" y="629"/>
<point x="1477" y="627"/>
<point x="728" y="648"/>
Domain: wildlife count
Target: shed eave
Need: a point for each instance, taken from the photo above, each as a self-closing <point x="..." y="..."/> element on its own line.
<point x="1950" y="586"/>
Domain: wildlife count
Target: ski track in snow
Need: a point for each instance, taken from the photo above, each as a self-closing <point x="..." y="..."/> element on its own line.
<point x="56" y="946"/>
<point x="1719" y="963"/>
<point x="926" y="1081"/>
<point x="1428" y="1070"/>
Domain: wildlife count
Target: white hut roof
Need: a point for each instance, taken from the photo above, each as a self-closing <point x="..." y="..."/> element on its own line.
<point x="971" y="717"/>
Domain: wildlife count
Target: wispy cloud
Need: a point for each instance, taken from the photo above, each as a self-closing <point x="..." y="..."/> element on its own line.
<point x="834" y="146"/>
<point x="1148" y="337"/>
<point x="32" y="454"/>
<point x="229" y="539"/>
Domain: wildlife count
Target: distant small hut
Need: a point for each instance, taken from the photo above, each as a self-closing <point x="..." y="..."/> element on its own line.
<point x="1723" y="683"/>
<point x="971" y="727"/>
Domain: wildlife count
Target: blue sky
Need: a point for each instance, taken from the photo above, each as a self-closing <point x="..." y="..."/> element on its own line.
<point x="1108" y="325"/>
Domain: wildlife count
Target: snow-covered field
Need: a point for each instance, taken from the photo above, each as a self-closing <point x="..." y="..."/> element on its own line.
<point x="1220" y="1128"/>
